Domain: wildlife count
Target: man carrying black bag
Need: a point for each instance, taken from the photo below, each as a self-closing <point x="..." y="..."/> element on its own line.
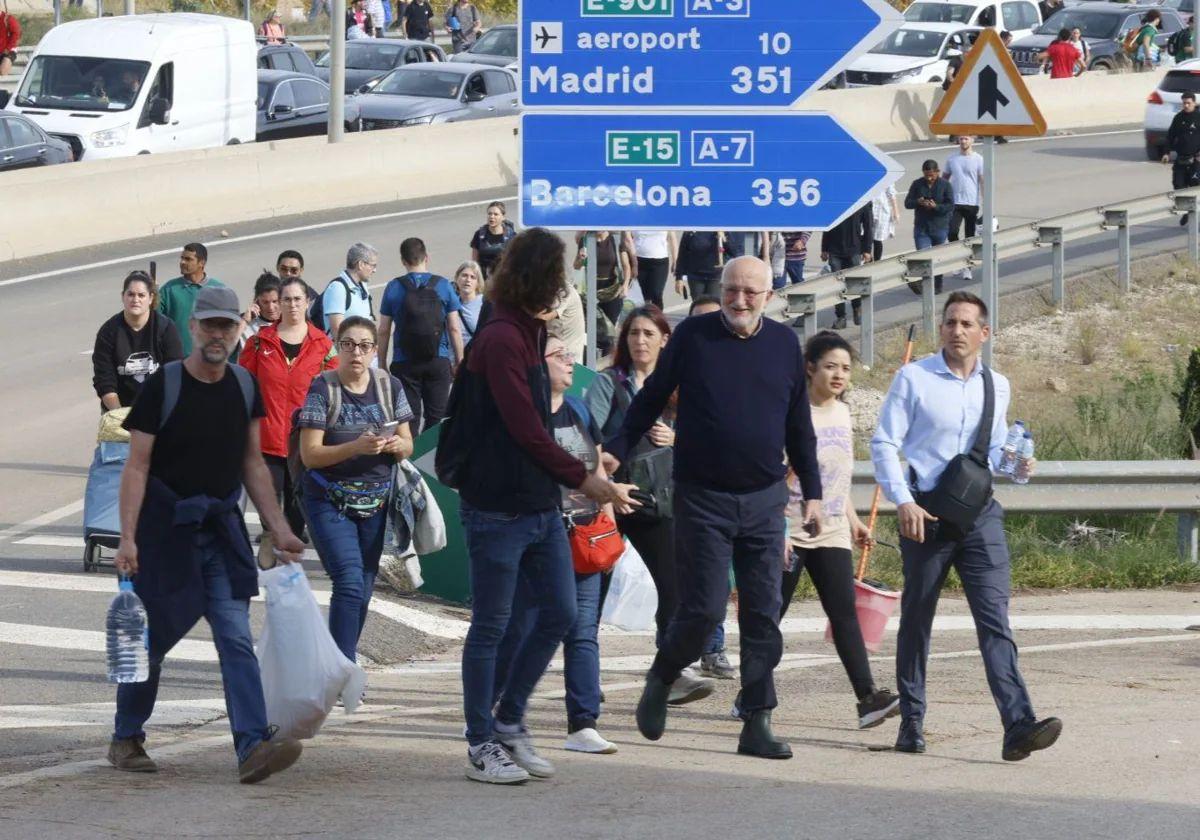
<point x="947" y="414"/>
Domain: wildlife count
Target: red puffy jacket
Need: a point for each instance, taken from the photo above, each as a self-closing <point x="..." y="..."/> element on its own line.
<point x="284" y="385"/>
<point x="10" y="33"/>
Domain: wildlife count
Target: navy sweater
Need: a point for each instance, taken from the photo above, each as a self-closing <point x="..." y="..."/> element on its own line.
<point x="743" y="403"/>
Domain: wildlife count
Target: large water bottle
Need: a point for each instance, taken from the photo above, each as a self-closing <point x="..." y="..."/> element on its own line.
<point x="1008" y="455"/>
<point x="1024" y="456"/>
<point x="128" y="654"/>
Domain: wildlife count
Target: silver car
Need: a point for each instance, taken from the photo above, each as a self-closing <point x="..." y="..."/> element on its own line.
<point x="442" y="93"/>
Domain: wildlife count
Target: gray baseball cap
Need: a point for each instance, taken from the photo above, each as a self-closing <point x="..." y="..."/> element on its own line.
<point x="216" y="302"/>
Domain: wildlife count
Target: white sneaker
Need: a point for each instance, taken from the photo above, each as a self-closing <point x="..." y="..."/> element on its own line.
<point x="589" y="741"/>
<point x="519" y="746"/>
<point x="491" y="764"/>
<point x="689" y="688"/>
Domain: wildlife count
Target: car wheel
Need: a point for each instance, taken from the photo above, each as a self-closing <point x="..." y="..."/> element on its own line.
<point x="233" y="141"/>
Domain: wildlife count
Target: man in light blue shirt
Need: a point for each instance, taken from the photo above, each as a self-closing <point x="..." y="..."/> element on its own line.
<point x="347" y="294"/>
<point x="932" y="414"/>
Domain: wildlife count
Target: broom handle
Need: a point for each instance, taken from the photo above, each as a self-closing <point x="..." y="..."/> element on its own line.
<point x="866" y="552"/>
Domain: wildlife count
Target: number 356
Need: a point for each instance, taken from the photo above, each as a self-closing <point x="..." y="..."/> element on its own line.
<point x="786" y="192"/>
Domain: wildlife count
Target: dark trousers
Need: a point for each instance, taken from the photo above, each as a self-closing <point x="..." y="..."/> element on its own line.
<point x="285" y="492"/>
<point x="877" y="250"/>
<point x="652" y="277"/>
<point x="964" y="218"/>
<point x="840" y="262"/>
<point x="1183" y="175"/>
<point x="832" y="573"/>
<point x="655" y="542"/>
<point x="711" y="529"/>
<point x="427" y="387"/>
<point x="982" y="561"/>
<point x="704" y="285"/>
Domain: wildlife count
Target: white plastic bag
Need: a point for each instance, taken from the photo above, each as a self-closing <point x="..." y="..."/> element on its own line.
<point x="303" y="672"/>
<point x="632" y="598"/>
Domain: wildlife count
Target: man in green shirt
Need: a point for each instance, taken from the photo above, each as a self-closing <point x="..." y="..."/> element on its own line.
<point x="177" y="297"/>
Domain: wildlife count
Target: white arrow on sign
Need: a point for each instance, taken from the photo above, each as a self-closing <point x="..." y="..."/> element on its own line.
<point x="988" y="96"/>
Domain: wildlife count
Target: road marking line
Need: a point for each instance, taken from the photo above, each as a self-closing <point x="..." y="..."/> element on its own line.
<point x="250" y="237"/>
<point x="39" y="521"/>
<point x="92" y="641"/>
<point x="51" y="541"/>
<point x="915" y="149"/>
<point x="166" y="713"/>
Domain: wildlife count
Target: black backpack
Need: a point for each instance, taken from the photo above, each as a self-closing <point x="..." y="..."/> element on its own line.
<point x="316" y="312"/>
<point x="422" y="320"/>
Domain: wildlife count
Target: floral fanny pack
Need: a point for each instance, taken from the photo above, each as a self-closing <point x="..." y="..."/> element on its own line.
<point x="355" y="499"/>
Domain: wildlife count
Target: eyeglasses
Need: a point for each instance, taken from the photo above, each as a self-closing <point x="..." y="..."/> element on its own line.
<point x="564" y="356"/>
<point x="291" y="270"/>
<point x="734" y="292"/>
<point x="348" y="346"/>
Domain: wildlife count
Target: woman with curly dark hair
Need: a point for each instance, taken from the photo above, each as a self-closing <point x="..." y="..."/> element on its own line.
<point x="509" y="472"/>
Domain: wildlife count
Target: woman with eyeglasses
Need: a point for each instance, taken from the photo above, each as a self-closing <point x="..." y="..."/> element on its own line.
<point x="285" y="357"/>
<point x="353" y="429"/>
<point x="132" y="344"/>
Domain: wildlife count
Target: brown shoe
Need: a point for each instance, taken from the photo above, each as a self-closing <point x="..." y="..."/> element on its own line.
<point x="268" y="758"/>
<point x="127" y="754"/>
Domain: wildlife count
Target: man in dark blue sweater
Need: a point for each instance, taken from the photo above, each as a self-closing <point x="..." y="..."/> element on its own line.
<point x="743" y="403"/>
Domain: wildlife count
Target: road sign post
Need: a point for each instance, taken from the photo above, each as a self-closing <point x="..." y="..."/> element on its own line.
<point x="749" y="172"/>
<point x="337" y="72"/>
<point x="690" y="53"/>
<point x="988" y="98"/>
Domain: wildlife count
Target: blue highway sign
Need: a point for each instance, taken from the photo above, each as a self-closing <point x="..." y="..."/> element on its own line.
<point x="694" y="171"/>
<point x="690" y="53"/>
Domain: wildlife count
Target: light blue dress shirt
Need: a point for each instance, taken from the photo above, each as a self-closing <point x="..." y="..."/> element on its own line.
<point x="931" y="415"/>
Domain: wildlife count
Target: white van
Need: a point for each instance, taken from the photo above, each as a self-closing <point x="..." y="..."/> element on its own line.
<point x="131" y="85"/>
<point x="1020" y="17"/>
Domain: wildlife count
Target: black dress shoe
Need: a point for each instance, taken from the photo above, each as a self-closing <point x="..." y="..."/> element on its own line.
<point x="652" y="708"/>
<point x="758" y="740"/>
<point x="911" y="738"/>
<point x="1031" y="736"/>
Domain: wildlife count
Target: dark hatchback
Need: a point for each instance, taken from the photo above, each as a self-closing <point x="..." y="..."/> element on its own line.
<point x="1103" y="25"/>
<point x="369" y="59"/>
<point x="286" y="57"/>
<point x="23" y="145"/>
<point x="295" y="105"/>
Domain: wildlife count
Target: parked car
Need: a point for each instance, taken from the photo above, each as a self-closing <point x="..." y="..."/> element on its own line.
<point x="1103" y="25"/>
<point x="497" y="47"/>
<point x="369" y="59"/>
<point x="913" y="54"/>
<point x="425" y="94"/>
<point x="296" y="105"/>
<point x="130" y="85"/>
<point x="1020" y="17"/>
<point x="1166" y="101"/>
<point x="23" y="144"/>
<point x="286" y="57"/>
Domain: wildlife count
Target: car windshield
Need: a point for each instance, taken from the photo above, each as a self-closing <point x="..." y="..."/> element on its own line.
<point x="1091" y="24"/>
<point x="362" y="56"/>
<point x="82" y="84"/>
<point x="498" y="42"/>
<point x="916" y="43"/>
<point x="939" y="13"/>
<point x="434" y="84"/>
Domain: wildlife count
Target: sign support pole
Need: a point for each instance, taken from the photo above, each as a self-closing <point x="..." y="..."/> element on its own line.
<point x="337" y="71"/>
<point x="991" y="278"/>
<point x="589" y="281"/>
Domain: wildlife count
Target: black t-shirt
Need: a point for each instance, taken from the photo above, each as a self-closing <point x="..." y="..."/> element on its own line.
<point x="490" y="247"/>
<point x="200" y="450"/>
<point x="417" y="17"/>
<point x="291" y="351"/>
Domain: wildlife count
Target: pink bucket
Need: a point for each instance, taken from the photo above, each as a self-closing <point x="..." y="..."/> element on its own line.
<point x="874" y="606"/>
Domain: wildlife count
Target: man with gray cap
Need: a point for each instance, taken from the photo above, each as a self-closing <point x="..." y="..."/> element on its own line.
<point x="194" y="442"/>
<point x="742" y="403"/>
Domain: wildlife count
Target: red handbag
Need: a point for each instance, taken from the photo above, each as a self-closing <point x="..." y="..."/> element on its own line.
<point x="596" y="546"/>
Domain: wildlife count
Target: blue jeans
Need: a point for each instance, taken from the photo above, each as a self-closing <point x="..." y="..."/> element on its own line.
<point x="349" y="550"/>
<point x="716" y="642"/>
<point x="229" y="619"/>
<point x="581" y="650"/>
<point x="927" y="239"/>
<point x="794" y="271"/>
<point x="503" y="548"/>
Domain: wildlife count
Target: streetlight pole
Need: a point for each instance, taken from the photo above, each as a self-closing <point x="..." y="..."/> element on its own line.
<point x="130" y="7"/>
<point x="337" y="72"/>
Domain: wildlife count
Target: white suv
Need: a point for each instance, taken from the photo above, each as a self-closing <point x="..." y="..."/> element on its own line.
<point x="1165" y="102"/>
<point x="1020" y="17"/>
<point x="916" y="53"/>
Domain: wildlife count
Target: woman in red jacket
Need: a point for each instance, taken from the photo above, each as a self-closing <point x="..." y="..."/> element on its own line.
<point x="286" y="358"/>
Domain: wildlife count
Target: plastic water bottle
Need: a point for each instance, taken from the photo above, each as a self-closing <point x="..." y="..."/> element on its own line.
<point x="1020" y="473"/>
<point x="128" y="654"/>
<point x="1008" y="457"/>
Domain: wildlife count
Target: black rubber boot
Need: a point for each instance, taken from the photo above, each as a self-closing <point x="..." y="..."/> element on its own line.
<point x="758" y="739"/>
<point x="652" y="708"/>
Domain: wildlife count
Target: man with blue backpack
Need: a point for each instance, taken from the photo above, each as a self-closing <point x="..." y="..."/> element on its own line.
<point x="420" y="312"/>
<point x="347" y="294"/>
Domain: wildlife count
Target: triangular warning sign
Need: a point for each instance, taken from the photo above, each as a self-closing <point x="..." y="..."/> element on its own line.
<point x="988" y="96"/>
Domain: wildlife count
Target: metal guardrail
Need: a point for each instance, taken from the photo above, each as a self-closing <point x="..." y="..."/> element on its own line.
<point x="804" y="300"/>
<point x="1081" y="487"/>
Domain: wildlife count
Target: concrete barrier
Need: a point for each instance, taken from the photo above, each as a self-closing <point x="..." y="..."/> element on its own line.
<point x="90" y="203"/>
<point x="900" y="113"/>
